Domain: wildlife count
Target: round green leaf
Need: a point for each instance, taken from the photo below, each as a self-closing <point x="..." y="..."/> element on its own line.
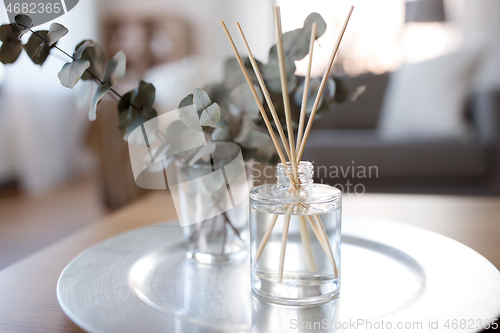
<point x="71" y="72"/>
<point x="242" y="97"/>
<point x="201" y="100"/>
<point x="56" y="32"/>
<point x="147" y="115"/>
<point x="102" y="90"/>
<point x="189" y="116"/>
<point x="115" y="70"/>
<point x="79" y="50"/>
<point x="23" y="23"/>
<point x="93" y="54"/>
<point x="11" y="45"/>
<point x="296" y="42"/>
<point x="126" y="113"/>
<point x="210" y="116"/>
<point x="37" y="50"/>
<point x="271" y="75"/>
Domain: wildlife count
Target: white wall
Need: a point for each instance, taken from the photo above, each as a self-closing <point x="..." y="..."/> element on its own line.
<point x="479" y="21"/>
<point x="42" y="131"/>
<point x="203" y="16"/>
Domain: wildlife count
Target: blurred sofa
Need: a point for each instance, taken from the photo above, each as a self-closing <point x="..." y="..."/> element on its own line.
<point x="349" y="137"/>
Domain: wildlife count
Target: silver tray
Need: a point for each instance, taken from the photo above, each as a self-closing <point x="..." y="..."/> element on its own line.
<point x="392" y="274"/>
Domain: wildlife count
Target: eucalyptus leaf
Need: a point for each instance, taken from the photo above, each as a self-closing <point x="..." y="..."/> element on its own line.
<point x="149" y="115"/>
<point x="318" y="19"/>
<point x="271" y="75"/>
<point x="146" y="94"/>
<point x="135" y="101"/>
<point x="328" y="93"/>
<point x="186" y="101"/>
<point x="37" y="51"/>
<point x="96" y="57"/>
<point x="206" y="150"/>
<point x="262" y="142"/>
<point x="242" y="97"/>
<point x="126" y="113"/>
<point x="201" y="100"/>
<point x="71" y="72"/>
<point x="189" y="116"/>
<point x="79" y="51"/>
<point x="296" y="42"/>
<point x="210" y="116"/>
<point x="232" y="73"/>
<point x="9" y="36"/>
<point x="210" y="112"/>
<point x="23" y="23"/>
<point x="11" y="45"/>
<point x="9" y="53"/>
<point x="188" y="113"/>
<point x="56" y="32"/>
<point x="115" y="70"/>
<point x="102" y="90"/>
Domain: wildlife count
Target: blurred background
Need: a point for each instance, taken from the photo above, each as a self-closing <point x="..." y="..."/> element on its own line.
<point x="427" y="120"/>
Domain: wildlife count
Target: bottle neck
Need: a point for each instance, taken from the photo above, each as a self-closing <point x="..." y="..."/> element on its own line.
<point x="287" y="181"/>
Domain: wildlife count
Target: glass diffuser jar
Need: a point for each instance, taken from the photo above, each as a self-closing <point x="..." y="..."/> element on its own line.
<point x="295" y="235"/>
<point x="216" y="239"/>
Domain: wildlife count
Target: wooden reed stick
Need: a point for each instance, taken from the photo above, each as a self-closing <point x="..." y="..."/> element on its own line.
<point x="265" y="92"/>
<point x="284" y="90"/>
<point x="324" y="245"/>
<point x="306" y="242"/>
<point x="322" y="231"/>
<point x="322" y="85"/>
<point x="254" y="93"/>
<point x="265" y="238"/>
<point x="284" y="238"/>
<point x="302" y="118"/>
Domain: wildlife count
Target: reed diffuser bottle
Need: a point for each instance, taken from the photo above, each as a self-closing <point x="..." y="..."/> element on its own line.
<point x="294" y="224"/>
<point x="295" y="228"/>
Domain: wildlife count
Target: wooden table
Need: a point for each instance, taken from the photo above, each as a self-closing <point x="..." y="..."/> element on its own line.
<point x="28" y="288"/>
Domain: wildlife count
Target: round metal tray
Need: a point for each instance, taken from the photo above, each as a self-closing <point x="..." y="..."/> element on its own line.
<point x="392" y="274"/>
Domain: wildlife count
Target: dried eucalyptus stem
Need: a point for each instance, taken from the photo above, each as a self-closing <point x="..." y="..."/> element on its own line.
<point x="96" y="78"/>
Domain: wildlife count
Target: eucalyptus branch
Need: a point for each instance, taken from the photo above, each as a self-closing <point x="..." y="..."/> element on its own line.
<point x="89" y="72"/>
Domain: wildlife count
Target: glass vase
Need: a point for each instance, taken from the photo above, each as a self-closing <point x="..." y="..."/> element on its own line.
<point x="217" y="239"/>
<point x="295" y="235"/>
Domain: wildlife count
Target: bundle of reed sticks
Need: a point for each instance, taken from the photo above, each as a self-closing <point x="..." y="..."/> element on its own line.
<point x="293" y="151"/>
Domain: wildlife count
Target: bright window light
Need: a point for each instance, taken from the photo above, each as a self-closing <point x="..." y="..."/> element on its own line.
<point x="371" y="42"/>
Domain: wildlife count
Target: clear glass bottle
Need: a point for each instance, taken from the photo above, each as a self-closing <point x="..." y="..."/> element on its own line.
<point x="308" y="255"/>
<point x="218" y="239"/>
